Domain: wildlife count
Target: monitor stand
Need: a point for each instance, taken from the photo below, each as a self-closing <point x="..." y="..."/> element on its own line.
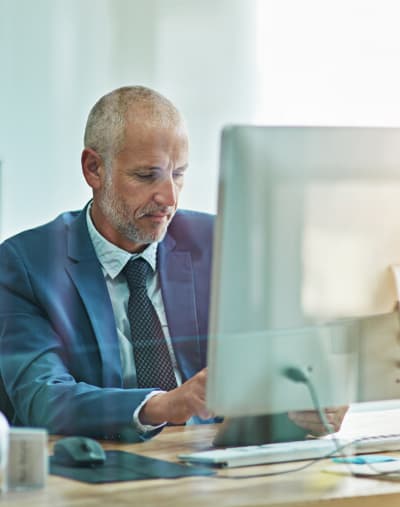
<point x="257" y="430"/>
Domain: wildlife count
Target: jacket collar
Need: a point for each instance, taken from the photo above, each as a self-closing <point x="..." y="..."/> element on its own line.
<point x="80" y="246"/>
<point x="87" y="276"/>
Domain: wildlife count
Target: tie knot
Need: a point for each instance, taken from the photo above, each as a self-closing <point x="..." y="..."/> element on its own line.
<point x="136" y="272"/>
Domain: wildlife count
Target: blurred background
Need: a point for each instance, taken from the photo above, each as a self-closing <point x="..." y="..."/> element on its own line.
<point x="292" y="62"/>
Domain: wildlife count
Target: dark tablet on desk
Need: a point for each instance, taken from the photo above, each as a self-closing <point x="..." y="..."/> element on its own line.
<point x="127" y="466"/>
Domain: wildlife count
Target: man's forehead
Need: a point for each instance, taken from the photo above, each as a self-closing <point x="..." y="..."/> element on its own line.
<point x="155" y="135"/>
<point x="154" y="147"/>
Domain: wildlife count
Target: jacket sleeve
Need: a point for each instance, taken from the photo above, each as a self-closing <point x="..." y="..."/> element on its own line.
<point x="36" y="365"/>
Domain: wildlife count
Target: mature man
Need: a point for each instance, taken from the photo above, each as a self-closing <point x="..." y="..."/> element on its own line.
<point x="104" y="312"/>
<point x="66" y="357"/>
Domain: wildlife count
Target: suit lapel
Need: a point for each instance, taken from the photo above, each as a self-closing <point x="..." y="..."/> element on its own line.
<point x="177" y="286"/>
<point x="87" y="276"/>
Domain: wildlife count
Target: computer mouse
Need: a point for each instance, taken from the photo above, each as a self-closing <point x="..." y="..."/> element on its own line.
<point x="78" y="452"/>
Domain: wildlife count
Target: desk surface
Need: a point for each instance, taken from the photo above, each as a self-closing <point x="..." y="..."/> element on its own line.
<point x="311" y="487"/>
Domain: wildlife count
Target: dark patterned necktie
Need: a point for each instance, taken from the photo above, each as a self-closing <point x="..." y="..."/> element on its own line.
<point x="152" y="358"/>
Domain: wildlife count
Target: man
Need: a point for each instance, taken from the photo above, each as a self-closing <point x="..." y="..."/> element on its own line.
<point x="71" y="354"/>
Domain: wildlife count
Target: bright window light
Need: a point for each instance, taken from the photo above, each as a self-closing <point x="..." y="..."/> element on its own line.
<point x="328" y="62"/>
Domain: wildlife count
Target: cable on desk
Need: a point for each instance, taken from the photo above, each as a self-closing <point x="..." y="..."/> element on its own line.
<point x="309" y="464"/>
<point x="298" y="375"/>
<point x="289" y="470"/>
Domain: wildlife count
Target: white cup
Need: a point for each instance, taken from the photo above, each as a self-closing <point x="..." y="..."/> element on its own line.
<point x="27" y="458"/>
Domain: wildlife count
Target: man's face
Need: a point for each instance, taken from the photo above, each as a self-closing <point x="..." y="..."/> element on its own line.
<point x="139" y="193"/>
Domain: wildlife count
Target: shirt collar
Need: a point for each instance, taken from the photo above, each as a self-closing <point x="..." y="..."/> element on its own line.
<point x="112" y="258"/>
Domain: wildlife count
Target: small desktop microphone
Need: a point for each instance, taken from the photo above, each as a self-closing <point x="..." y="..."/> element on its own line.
<point x="296" y="374"/>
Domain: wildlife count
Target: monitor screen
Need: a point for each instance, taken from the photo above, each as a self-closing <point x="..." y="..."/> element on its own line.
<point x="306" y="244"/>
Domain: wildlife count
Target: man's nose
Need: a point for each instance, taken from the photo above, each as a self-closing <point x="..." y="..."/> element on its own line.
<point x="166" y="192"/>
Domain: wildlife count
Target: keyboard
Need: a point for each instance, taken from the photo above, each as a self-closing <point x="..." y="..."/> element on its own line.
<point x="291" y="451"/>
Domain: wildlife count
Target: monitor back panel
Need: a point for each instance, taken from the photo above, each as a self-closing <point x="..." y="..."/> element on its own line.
<point x="307" y="229"/>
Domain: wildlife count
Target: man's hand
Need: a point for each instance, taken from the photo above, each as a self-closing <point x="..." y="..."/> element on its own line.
<point x="311" y="421"/>
<point x="178" y="405"/>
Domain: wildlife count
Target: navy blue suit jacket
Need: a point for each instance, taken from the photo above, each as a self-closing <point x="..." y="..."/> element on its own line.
<point x="59" y="352"/>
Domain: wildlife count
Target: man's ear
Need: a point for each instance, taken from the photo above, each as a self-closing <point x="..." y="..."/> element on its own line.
<point x="92" y="168"/>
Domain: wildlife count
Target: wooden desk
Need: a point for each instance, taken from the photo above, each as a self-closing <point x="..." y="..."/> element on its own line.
<point x="311" y="487"/>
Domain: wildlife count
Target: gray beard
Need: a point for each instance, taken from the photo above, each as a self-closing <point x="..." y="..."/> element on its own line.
<point x="121" y="220"/>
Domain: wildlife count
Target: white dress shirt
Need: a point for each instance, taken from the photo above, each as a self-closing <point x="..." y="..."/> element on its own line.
<point x="113" y="260"/>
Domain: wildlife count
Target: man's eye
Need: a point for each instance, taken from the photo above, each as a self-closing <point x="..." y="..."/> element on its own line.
<point x="145" y="176"/>
<point x="179" y="174"/>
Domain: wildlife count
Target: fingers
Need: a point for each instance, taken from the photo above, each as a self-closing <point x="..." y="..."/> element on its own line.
<point x="198" y="385"/>
<point x="336" y="415"/>
<point x="193" y="394"/>
<point x="180" y="404"/>
<point x="311" y="421"/>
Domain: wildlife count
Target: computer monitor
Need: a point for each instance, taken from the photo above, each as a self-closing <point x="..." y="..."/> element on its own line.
<point x="306" y="241"/>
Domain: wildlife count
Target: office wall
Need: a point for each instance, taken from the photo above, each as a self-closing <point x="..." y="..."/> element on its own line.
<point x="221" y="61"/>
<point x="50" y="63"/>
<point x="58" y="56"/>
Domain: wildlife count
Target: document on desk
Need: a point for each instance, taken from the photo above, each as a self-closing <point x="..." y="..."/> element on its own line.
<point x="371" y="420"/>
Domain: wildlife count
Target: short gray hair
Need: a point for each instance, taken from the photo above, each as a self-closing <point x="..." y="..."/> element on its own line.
<point x="105" y="127"/>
